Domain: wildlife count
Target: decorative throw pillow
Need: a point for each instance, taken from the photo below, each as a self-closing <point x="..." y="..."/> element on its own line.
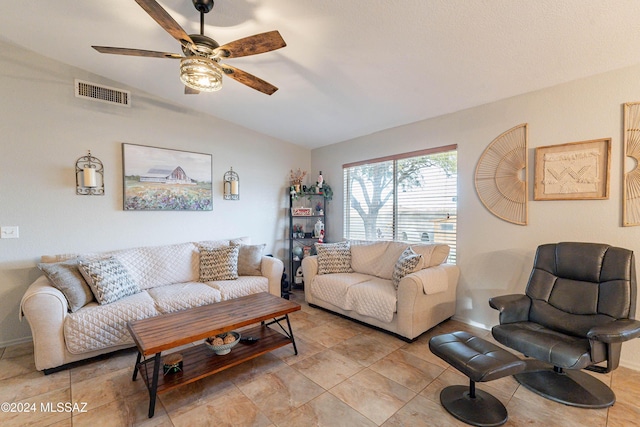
<point x="250" y="260"/>
<point x="66" y="277"/>
<point x="334" y="257"/>
<point x="108" y="279"/>
<point x="408" y="262"/>
<point x="219" y="263"/>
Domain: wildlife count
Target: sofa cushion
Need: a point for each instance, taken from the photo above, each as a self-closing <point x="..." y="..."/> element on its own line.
<point x="334" y="258"/>
<point x="95" y="327"/>
<point x="250" y="260"/>
<point x="333" y="287"/>
<point x="408" y="262"/>
<point x="213" y="243"/>
<point x="375" y="298"/>
<point x="245" y="285"/>
<point x="365" y="255"/>
<point x="387" y="262"/>
<point x="433" y="254"/>
<point x="244" y="240"/>
<point x="180" y="296"/>
<point x="219" y="263"/>
<point x="439" y="255"/>
<point x="161" y="265"/>
<point x="66" y="277"/>
<point x="108" y="279"/>
<point x="377" y="258"/>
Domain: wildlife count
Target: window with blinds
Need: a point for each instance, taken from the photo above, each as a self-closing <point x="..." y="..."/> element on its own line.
<point x="410" y="197"/>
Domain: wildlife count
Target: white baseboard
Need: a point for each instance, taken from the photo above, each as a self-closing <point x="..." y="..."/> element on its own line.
<point x="630" y="365"/>
<point x="471" y="323"/>
<point x="15" y="342"/>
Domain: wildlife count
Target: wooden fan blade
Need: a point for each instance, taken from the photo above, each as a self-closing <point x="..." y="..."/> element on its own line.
<point x="190" y="91"/>
<point x="248" y="79"/>
<point x="252" y="45"/>
<point x="136" y="52"/>
<point x="166" y="21"/>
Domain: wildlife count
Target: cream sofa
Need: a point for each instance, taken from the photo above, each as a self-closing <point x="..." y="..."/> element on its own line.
<point x="425" y="295"/>
<point x="69" y="325"/>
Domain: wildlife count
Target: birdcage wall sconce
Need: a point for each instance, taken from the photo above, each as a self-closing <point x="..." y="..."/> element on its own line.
<point x="89" y="176"/>
<point x="231" y="185"/>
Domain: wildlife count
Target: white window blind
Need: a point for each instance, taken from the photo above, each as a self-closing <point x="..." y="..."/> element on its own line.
<point x="410" y="197"/>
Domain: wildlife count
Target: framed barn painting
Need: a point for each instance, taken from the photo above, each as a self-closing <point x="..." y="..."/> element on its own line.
<point x="160" y="179"/>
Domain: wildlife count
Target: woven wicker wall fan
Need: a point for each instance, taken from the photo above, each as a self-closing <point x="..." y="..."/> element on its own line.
<point x="631" y="194"/>
<point x="499" y="179"/>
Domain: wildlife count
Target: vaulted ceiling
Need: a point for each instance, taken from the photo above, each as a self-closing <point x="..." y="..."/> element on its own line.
<point x="351" y="67"/>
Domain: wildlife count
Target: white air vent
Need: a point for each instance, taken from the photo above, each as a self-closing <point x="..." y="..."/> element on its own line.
<point x="102" y="93"/>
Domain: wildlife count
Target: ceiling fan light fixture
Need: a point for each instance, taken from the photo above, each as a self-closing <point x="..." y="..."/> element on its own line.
<point x="201" y="74"/>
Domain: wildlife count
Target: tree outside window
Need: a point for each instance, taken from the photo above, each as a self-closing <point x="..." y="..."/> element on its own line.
<point x="410" y="197"/>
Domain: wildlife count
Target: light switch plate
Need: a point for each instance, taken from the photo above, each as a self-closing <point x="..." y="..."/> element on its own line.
<point x="9" y="232"/>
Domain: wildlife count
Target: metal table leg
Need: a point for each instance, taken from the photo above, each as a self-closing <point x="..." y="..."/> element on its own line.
<point x="154" y="385"/>
<point x="293" y="340"/>
<point x="135" y="369"/>
<point x="288" y="333"/>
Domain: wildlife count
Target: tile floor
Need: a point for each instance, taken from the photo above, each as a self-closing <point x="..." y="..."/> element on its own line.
<point x="345" y="374"/>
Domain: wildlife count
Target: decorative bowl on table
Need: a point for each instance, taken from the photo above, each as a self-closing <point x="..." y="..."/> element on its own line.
<point x="223" y="343"/>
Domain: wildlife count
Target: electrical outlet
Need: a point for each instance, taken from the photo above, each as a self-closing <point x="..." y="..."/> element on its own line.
<point x="9" y="232"/>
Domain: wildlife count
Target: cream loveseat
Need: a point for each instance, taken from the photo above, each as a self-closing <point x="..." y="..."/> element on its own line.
<point x="358" y="279"/>
<point x="81" y="306"/>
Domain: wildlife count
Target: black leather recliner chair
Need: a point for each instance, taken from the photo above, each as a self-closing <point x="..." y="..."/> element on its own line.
<point x="577" y="310"/>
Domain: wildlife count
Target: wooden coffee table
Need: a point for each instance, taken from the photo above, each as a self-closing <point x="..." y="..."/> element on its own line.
<point x="157" y="334"/>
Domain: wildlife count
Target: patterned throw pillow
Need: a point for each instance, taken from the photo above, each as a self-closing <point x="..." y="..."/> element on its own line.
<point x="108" y="279"/>
<point x="406" y="264"/>
<point x="219" y="263"/>
<point x="334" y="258"/>
<point x="66" y="277"/>
<point x="250" y="260"/>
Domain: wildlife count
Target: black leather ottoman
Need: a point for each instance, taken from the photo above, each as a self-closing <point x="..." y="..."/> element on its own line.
<point x="481" y="361"/>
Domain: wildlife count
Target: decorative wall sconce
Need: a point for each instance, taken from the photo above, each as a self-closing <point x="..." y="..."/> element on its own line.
<point x="231" y="185"/>
<point x="89" y="176"/>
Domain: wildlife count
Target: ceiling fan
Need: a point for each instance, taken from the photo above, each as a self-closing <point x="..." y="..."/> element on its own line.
<point x="200" y="67"/>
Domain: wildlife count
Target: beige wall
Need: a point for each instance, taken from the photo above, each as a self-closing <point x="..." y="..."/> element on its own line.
<point x="45" y="129"/>
<point x="495" y="257"/>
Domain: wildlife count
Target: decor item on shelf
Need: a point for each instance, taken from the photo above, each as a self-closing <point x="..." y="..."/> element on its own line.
<point x="172" y="363"/>
<point x="297" y="253"/>
<point x="296" y="179"/>
<point x="298" y="231"/>
<point x="223" y="343"/>
<point x="200" y="67"/>
<point x="501" y="176"/>
<point x="231" y="185"/>
<point x="305" y="209"/>
<point x="573" y="171"/>
<point x="89" y="176"/>
<point x="318" y="229"/>
<point x="326" y="191"/>
<point x="320" y="180"/>
<point x="299" y="277"/>
<point x="631" y="193"/>
<point x="301" y="211"/>
<point x="161" y="179"/>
